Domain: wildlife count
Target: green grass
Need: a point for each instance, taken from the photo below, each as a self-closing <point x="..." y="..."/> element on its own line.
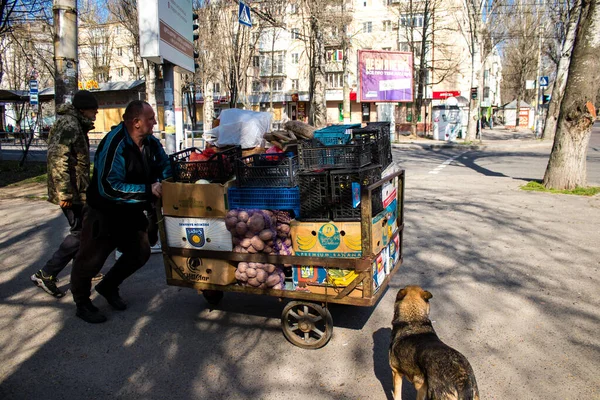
<point x="31" y="172"/>
<point x="579" y="191"/>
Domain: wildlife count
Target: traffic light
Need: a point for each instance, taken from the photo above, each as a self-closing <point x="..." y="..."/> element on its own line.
<point x="474" y="93"/>
<point x="196" y="36"/>
<point x="546" y="98"/>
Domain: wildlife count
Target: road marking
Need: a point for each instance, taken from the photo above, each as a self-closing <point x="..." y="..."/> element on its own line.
<point x="443" y="165"/>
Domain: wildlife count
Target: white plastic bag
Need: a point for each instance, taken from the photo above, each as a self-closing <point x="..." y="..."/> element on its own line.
<point x="242" y="127"/>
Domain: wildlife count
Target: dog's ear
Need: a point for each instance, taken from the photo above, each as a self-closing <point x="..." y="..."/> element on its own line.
<point x="426" y="295"/>
<point x="401" y="294"/>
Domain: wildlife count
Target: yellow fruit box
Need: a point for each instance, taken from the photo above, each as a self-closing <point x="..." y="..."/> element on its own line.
<point x="342" y="239"/>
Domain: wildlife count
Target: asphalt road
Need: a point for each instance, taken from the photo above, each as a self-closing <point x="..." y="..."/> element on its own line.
<point x="514" y="276"/>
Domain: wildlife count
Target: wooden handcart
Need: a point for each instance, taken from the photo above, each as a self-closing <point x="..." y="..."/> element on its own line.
<point x="306" y="322"/>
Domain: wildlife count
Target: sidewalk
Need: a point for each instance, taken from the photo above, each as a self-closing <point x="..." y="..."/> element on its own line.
<point x="497" y="138"/>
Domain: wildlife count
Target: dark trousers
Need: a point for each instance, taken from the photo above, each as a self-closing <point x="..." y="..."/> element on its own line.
<point x="102" y="233"/>
<point x="70" y="244"/>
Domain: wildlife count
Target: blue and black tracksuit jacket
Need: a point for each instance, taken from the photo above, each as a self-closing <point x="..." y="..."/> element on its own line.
<point x="123" y="175"/>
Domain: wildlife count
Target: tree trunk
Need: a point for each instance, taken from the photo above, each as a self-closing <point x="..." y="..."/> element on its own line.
<point x="209" y="106"/>
<point x="318" y="106"/>
<point x="567" y="165"/>
<point x="150" y="77"/>
<point x="562" y="72"/>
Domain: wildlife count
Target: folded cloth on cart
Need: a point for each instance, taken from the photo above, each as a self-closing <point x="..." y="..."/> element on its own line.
<point x="242" y="127"/>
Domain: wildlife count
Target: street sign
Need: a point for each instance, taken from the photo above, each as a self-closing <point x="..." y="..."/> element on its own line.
<point x="33" y="92"/>
<point x="244" y="15"/>
<point x="530" y="84"/>
<point x="543" y="81"/>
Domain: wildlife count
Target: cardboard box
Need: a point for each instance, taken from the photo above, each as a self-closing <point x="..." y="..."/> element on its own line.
<point x="342" y="239"/>
<point x="198" y="233"/>
<point x="195" y="200"/>
<point x="205" y="270"/>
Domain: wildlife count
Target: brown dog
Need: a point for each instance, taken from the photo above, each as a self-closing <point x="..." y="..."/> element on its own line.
<point x="437" y="370"/>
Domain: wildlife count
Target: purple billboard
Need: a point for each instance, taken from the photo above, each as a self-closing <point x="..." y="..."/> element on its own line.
<point x="385" y="76"/>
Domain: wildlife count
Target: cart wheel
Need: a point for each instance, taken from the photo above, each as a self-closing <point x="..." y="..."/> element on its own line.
<point x="213" y="297"/>
<point x="306" y="325"/>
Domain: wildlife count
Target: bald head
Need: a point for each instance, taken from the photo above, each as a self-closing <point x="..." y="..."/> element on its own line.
<point x="139" y="118"/>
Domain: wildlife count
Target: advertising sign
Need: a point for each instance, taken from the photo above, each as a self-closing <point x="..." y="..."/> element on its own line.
<point x="445" y="95"/>
<point x="385" y="76"/>
<point x="166" y="32"/>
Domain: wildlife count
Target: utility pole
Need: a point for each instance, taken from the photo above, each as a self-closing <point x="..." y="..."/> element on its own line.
<point x="346" y="92"/>
<point x="65" y="50"/>
<point x="538" y="109"/>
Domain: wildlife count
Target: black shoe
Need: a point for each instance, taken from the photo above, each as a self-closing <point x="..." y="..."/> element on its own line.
<point x="112" y="297"/>
<point x="48" y="283"/>
<point x="90" y="313"/>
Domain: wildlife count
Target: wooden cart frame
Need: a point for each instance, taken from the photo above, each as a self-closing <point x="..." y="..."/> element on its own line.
<point x="304" y="322"/>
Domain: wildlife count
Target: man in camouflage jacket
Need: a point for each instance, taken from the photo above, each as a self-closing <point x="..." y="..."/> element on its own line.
<point x="68" y="180"/>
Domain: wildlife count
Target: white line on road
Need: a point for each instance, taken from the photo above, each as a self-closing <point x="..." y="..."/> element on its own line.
<point x="446" y="163"/>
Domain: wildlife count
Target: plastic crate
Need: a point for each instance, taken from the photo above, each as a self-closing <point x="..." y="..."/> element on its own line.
<point x="314" y="156"/>
<point x="382" y="148"/>
<point x="315" y="196"/>
<point x="267" y="170"/>
<point x="342" y="207"/>
<point x="219" y="168"/>
<point x="265" y="198"/>
<point x="335" y="134"/>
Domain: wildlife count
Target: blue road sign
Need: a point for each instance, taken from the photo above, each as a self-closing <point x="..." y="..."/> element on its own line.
<point x="543" y="81"/>
<point x="244" y="15"/>
<point x="33" y="92"/>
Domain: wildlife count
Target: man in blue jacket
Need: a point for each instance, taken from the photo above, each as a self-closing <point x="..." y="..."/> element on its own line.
<point x="128" y="168"/>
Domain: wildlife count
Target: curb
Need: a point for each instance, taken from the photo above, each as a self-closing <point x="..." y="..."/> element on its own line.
<point x="482" y="146"/>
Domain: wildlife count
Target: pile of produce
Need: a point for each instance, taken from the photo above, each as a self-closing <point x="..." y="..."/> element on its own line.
<point x="259" y="275"/>
<point x="260" y="231"/>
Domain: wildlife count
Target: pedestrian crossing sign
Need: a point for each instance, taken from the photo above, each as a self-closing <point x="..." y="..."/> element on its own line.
<point x="244" y="15"/>
<point x="543" y="81"/>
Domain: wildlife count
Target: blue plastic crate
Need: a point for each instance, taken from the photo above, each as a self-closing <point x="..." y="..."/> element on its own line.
<point x="265" y="198"/>
<point x="335" y="134"/>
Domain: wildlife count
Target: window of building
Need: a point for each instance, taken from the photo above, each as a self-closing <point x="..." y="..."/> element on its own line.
<point x="278" y="63"/>
<point x="217" y="87"/>
<point x="386" y="48"/>
<point x="120" y="72"/>
<point x="368" y="27"/>
<point x="295" y="58"/>
<point x="411" y="20"/>
<point x="277" y="85"/>
<point x="335" y="80"/>
<point x="120" y="51"/>
<point x="404" y="46"/>
<point x="295" y="33"/>
<point x="295" y="84"/>
<point x="293" y="8"/>
<point x="256" y="86"/>
<point x="486" y="92"/>
<point x="256" y="61"/>
<point x="387" y="26"/>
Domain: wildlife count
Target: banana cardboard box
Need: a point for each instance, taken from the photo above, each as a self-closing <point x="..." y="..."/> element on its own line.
<point x="198" y="233"/>
<point x="342" y="239"/>
<point x="204" y="270"/>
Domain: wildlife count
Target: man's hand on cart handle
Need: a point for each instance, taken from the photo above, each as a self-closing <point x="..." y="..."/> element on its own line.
<point x="157" y="189"/>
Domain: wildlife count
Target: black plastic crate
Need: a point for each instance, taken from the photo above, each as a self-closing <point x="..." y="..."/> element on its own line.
<point x="315" y="196"/>
<point x="218" y="168"/>
<point x="382" y="149"/>
<point x="316" y="156"/>
<point x="342" y="207"/>
<point x="267" y="170"/>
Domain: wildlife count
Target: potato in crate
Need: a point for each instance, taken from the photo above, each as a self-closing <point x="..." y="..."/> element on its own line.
<point x="191" y="165"/>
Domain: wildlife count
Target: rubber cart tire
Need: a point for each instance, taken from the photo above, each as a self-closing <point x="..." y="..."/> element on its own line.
<point x="306" y="325"/>
<point x="212" y="297"/>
